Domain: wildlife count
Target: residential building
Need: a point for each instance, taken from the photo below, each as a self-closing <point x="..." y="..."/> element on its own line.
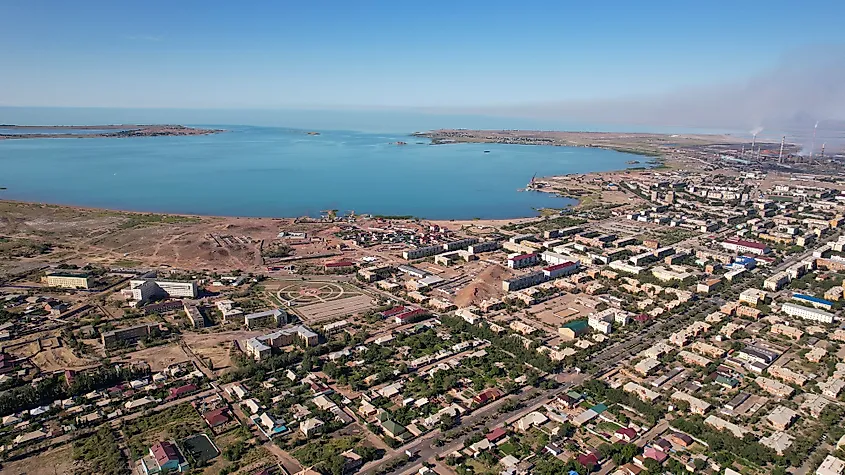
<point x="807" y="313"/>
<point x="524" y="281"/>
<point x="642" y="392"/>
<point x="194" y="315"/>
<point x="163" y="456"/>
<point x="831" y="466"/>
<point x="311" y="427"/>
<point x="260" y="347"/>
<point x="832" y="387"/>
<point x="68" y="280"/>
<point x="778" y="441"/>
<point x="787" y="331"/>
<point x="776" y="282"/>
<point x="785" y="374"/>
<point x="696" y="406"/>
<point x="781" y="417"/>
<point x="814" y="301"/>
<point x="560" y="270"/>
<point x="267" y="318"/>
<point x="740" y="246"/>
<point x="753" y="296"/>
<point x="519" y="261"/>
<point x="775" y="388"/>
<point x="721" y="424"/>
<point x="129" y="334"/>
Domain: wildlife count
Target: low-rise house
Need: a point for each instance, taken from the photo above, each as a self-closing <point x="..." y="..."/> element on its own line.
<point x="532" y="419"/>
<point x="312" y="426"/>
<point x="163" y="457"/>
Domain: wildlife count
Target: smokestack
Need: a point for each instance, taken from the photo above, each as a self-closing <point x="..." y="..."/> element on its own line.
<point x="753" y="141"/>
<point x="823" y="150"/>
<point x="742" y="153"/>
<point x="813" y="146"/>
<point x="780" y="155"/>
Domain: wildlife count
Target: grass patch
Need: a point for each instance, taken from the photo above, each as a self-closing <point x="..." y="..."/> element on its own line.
<point x="100" y="452"/>
<point x="507" y="448"/>
<point x="320" y="451"/>
<point x="126" y="263"/>
<point x="177" y="422"/>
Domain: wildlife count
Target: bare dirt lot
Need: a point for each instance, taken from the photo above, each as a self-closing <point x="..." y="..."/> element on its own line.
<point x="158" y="357"/>
<point x="326" y="311"/>
<point x="49" y="354"/>
<point x="215" y="346"/>
<point x="84" y="235"/>
<point x="51" y="462"/>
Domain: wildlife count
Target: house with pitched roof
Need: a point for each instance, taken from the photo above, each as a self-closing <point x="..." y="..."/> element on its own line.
<point x="163" y="456"/>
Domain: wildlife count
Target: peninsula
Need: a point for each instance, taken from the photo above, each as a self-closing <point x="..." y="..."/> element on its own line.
<point x="637" y="143"/>
<point x="95" y="131"/>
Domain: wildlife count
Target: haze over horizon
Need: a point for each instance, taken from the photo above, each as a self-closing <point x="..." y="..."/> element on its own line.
<point x="721" y="65"/>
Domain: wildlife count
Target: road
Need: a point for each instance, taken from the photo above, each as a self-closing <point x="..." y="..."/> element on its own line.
<point x="476" y="421"/>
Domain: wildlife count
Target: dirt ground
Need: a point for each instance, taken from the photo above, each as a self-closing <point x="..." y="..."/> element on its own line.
<point x="85" y="235"/>
<point x="50" y="355"/>
<point x="334" y="309"/>
<point x="158" y="357"/>
<point x="58" y="461"/>
<point x="216" y="345"/>
<point x="487" y="285"/>
<point x="57" y="359"/>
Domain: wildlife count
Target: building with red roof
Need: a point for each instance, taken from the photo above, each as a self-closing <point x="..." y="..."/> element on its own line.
<point x="626" y="434"/>
<point x="393" y="311"/>
<point x="655" y="454"/>
<point x="590" y="460"/>
<point x="164" y="456"/>
<point x="217" y="417"/>
<point x="496" y="434"/>
<point x="562" y="269"/>
<point x="339" y="265"/>
<point x="488" y="395"/>
<point x="410" y="315"/>
<point x="182" y="390"/>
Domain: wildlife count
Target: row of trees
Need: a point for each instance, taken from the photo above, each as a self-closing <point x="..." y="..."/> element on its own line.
<point x="505" y="342"/>
<point x="724" y="446"/>
<point x="49" y="389"/>
<point x="602" y="392"/>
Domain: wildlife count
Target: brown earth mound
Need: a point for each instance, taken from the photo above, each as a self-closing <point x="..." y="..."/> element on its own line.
<point x="487" y="285"/>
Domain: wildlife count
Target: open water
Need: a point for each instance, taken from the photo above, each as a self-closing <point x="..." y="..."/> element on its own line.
<point x="279" y="172"/>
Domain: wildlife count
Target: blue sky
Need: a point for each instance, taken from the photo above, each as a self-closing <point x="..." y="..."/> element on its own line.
<point x="367" y="54"/>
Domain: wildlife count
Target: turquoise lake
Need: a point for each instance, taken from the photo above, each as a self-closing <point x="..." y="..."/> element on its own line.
<point x="266" y="171"/>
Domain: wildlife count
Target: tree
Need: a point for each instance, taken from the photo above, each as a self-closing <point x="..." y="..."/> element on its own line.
<point x="447" y="421"/>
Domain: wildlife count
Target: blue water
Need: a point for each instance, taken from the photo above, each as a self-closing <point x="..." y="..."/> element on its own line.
<point x="260" y="171"/>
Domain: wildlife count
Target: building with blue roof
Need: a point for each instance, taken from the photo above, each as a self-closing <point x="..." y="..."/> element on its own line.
<point x="814" y="301"/>
<point x="744" y="261"/>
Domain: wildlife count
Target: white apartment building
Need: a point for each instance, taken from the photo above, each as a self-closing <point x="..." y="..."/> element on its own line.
<point x="807" y="313"/>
